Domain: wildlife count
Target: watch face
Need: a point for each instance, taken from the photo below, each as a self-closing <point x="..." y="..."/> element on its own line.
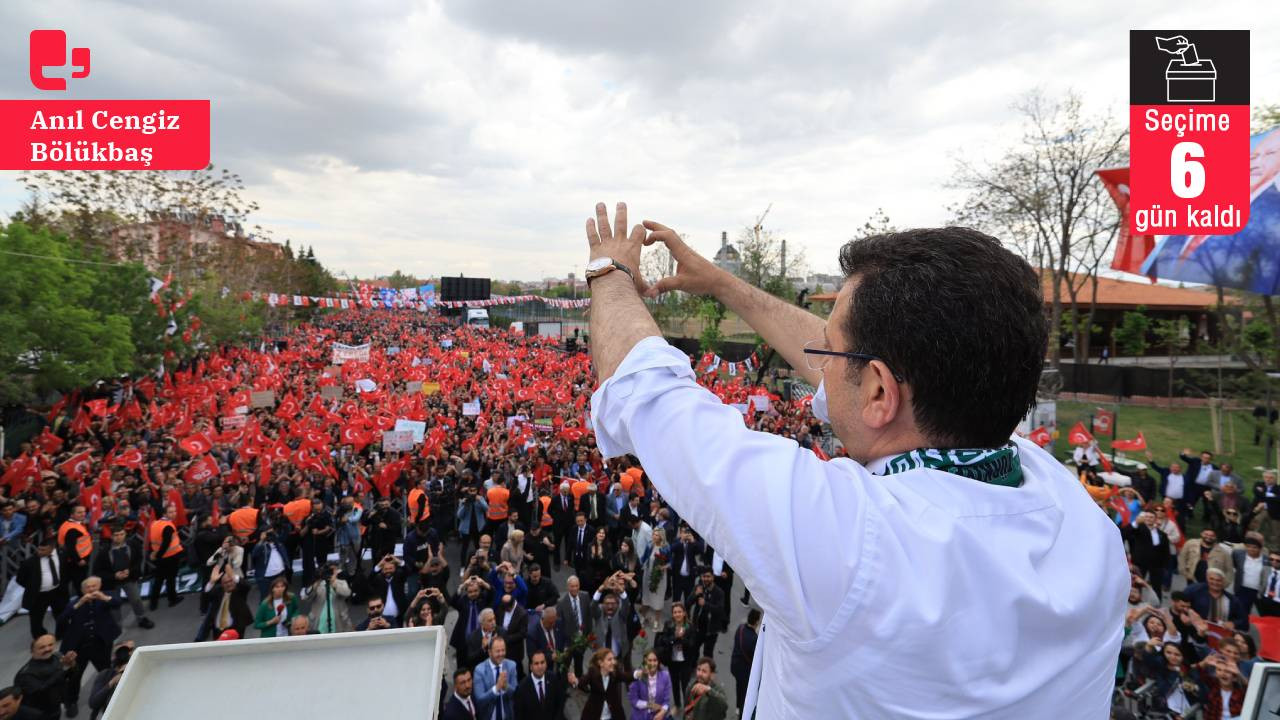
<point x="599" y="263"/>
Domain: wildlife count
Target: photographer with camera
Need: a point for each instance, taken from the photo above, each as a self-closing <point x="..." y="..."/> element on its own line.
<point x="471" y="518"/>
<point x="270" y="561"/>
<point x="385" y="528"/>
<point x="347" y="534"/>
<point x="105" y="682"/>
<point x="421" y="545"/>
<point x="326" y="601"/>
<point x="316" y="535"/>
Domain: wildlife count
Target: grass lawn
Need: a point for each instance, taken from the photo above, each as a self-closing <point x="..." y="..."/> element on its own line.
<point x="1168" y="431"/>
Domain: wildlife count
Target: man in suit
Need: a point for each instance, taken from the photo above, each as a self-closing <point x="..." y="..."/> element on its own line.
<point x="686" y="554"/>
<point x="541" y="695"/>
<point x="480" y="642"/>
<point x="579" y="540"/>
<point x="1212" y="602"/>
<point x="709" y="605"/>
<point x="270" y="560"/>
<point x="88" y="630"/>
<point x="495" y="684"/>
<point x="1269" y="595"/>
<point x="228" y="603"/>
<point x="43" y="589"/>
<point x="1149" y="549"/>
<point x="1199" y="555"/>
<point x="610" y="627"/>
<point x="1200" y="470"/>
<point x="470" y="600"/>
<point x="577" y="613"/>
<point x="744" y="649"/>
<point x="459" y="705"/>
<point x="541" y="592"/>
<point x="546" y="636"/>
<point x="513" y="623"/>
<point x="562" y="513"/>
<point x="375" y="619"/>
<point x="387" y="583"/>
<point x="1251" y="571"/>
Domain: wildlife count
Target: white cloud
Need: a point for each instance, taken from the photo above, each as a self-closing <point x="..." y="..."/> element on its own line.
<point x="475" y="136"/>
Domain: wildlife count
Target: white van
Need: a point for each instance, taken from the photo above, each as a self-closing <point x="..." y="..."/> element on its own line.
<point x="478" y="317"/>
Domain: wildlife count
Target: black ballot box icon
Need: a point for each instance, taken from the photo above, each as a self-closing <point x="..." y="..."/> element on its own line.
<point x="1191" y="82"/>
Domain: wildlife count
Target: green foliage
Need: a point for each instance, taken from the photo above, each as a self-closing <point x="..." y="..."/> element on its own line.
<point x="398" y="280"/>
<point x="55" y="332"/>
<point x="1266" y="117"/>
<point x="1131" y="335"/>
<point x="712" y="312"/>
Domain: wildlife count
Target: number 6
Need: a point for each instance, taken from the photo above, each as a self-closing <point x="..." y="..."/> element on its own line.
<point x="1186" y="176"/>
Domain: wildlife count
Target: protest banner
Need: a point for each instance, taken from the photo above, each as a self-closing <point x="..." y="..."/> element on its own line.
<point x="430" y="388"/>
<point x="416" y="427"/>
<point x="471" y="408"/>
<point x="413" y="386"/>
<point x="233" y="422"/>
<point x="331" y="392"/>
<point x="346" y="353"/>
<point x="262" y="398"/>
<point x="332" y="371"/>
<point x="397" y="440"/>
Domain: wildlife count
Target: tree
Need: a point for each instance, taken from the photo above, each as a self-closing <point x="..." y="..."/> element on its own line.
<point x="878" y="224"/>
<point x="712" y="312"/>
<point x="1266" y="117"/>
<point x="765" y="259"/>
<point x="1042" y="197"/>
<point x="398" y="280"/>
<point x="54" y="333"/>
<point x="1172" y="335"/>
<point x="1131" y="335"/>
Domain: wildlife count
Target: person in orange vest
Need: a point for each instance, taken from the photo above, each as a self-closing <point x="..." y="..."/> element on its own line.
<point x="497" y="496"/>
<point x="579" y="488"/>
<point x="77" y="545"/>
<point x="166" y="556"/>
<point x="419" y="507"/>
<point x="298" y="509"/>
<point x="544" y="519"/>
<point x="244" y="523"/>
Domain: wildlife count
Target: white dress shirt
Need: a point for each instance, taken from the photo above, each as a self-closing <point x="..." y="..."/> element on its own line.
<point x="1174" y="486"/>
<point x="46" y="576"/>
<point x="965" y="599"/>
<point x="275" y="563"/>
<point x="1252" y="577"/>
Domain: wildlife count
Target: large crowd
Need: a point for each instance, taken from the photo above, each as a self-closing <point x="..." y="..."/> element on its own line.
<point x="1191" y="635"/>
<point x="564" y="582"/>
<point x="295" y="519"/>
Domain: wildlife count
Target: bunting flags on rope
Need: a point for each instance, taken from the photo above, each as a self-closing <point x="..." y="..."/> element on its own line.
<point x="416" y="298"/>
<point x="712" y="362"/>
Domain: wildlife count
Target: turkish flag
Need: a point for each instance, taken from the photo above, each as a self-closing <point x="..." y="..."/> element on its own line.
<point x="1103" y="421"/>
<point x="1131" y="250"/>
<point x="131" y="458"/>
<point x="355" y="436"/>
<point x="817" y="450"/>
<point x="1138" y="443"/>
<point x="316" y="440"/>
<point x="77" y="465"/>
<point x="197" y="444"/>
<point x="202" y="469"/>
<point x="180" y="509"/>
<point x="91" y="497"/>
<point x="21" y="473"/>
<point x="1078" y="435"/>
<point x="80" y="424"/>
<point x="1041" y="436"/>
<point x="48" y="443"/>
<point x="97" y="407"/>
<point x="281" y="451"/>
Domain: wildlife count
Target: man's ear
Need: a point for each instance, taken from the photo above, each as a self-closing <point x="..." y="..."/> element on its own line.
<point x="882" y="399"/>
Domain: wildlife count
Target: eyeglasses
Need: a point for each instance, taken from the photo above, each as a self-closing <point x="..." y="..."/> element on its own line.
<point x="816" y="356"/>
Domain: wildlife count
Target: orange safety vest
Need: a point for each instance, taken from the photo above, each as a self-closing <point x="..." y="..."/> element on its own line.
<point x="634" y="473"/>
<point x="497" y="497"/>
<point x="546" y="510"/>
<point x="579" y="488"/>
<point x="84" y="543"/>
<point x="414" y="495"/>
<point x="157" y="536"/>
<point x="243" y="522"/>
<point x="297" y="511"/>
<point x="363" y="527"/>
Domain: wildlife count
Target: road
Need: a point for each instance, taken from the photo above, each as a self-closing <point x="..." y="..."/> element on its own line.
<point x="178" y="625"/>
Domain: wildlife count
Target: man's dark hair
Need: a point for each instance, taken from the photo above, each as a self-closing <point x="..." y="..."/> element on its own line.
<point x="459" y="673"/>
<point x="543" y="653"/>
<point x="534" y="566"/>
<point x="12" y="691"/>
<point x="1179" y="595"/>
<point x="753" y="616"/>
<point x="708" y="662"/>
<point x="959" y="318"/>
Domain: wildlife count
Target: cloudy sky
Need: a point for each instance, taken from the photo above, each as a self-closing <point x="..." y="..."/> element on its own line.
<point x="475" y="136"/>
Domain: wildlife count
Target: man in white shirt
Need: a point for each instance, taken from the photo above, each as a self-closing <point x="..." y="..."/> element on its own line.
<point x="972" y="568"/>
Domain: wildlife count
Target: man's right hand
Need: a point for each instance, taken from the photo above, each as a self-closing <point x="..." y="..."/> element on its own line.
<point x="694" y="273"/>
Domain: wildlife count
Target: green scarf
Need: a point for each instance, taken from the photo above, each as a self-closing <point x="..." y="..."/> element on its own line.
<point x="995" y="466"/>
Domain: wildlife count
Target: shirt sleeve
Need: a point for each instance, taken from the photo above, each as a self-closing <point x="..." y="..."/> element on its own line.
<point x="799" y="530"/>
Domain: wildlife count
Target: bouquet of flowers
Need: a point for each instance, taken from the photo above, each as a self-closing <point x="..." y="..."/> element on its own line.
<point x="657" y="573"/>
<point x="578" y="645"/>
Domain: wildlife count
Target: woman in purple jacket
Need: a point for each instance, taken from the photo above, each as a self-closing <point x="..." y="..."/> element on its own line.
<point x="650" y="694"/>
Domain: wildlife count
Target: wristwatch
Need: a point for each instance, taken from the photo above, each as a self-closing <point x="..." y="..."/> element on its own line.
<point x="604" y="266"/>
